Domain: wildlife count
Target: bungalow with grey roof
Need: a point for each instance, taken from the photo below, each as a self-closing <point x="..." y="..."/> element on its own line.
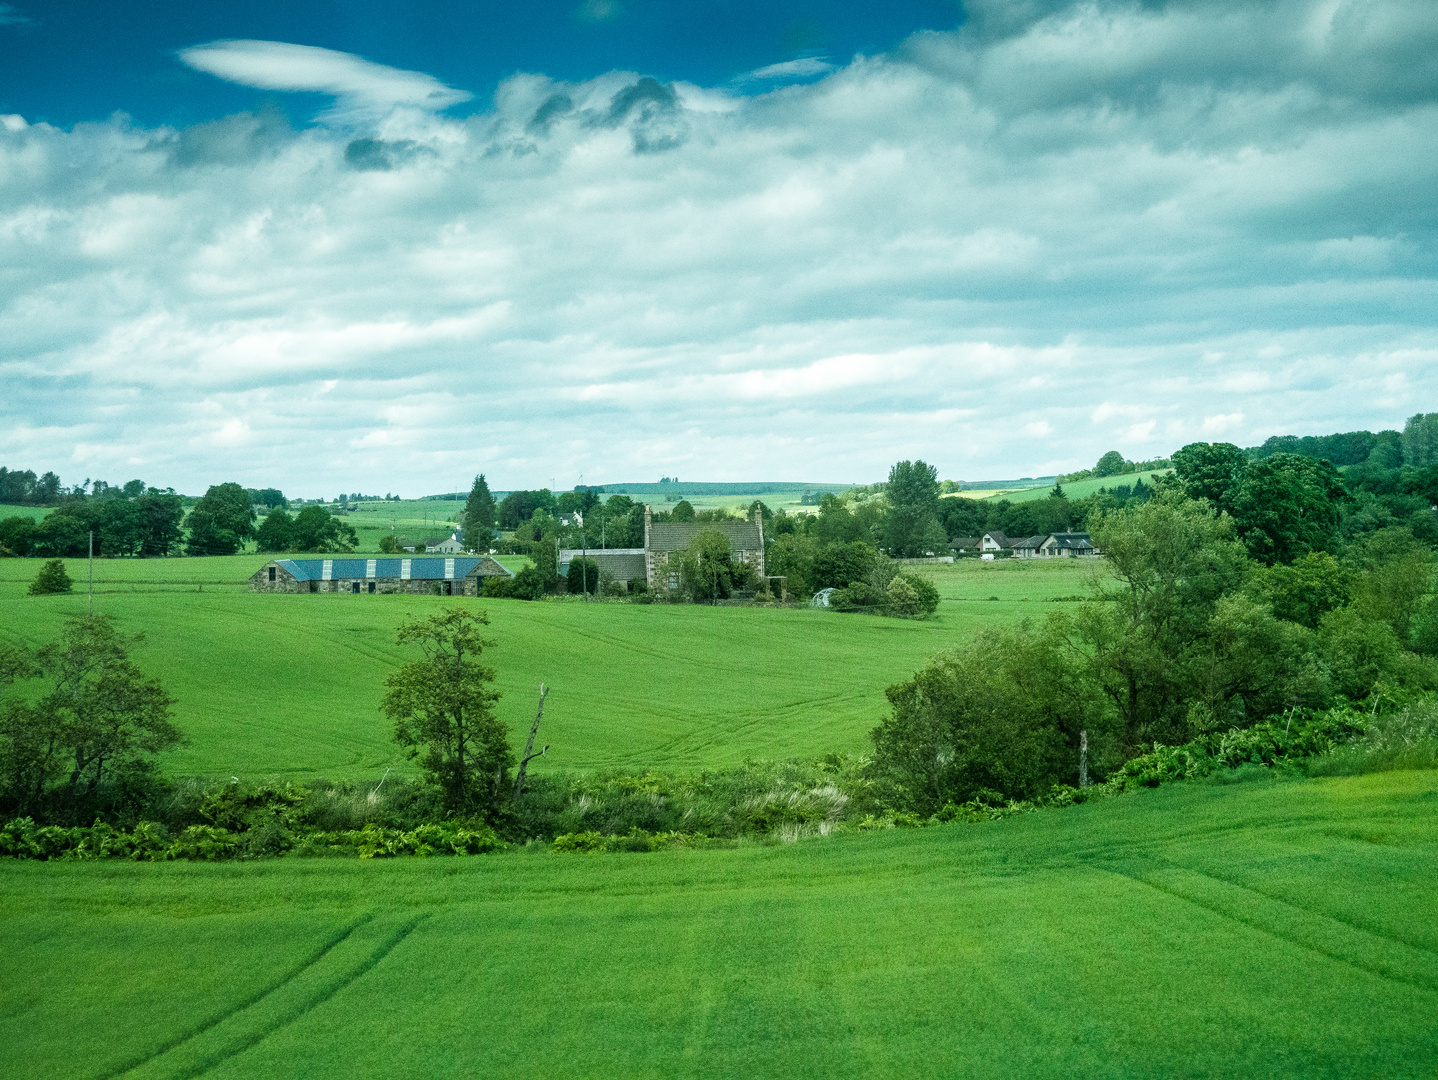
<point x="457" y="576"/>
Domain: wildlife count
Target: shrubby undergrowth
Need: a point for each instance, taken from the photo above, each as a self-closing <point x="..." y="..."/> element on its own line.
<point x="758" y="802"/>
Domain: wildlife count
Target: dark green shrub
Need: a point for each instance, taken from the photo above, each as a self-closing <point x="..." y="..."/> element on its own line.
<point x="51" y="579"/>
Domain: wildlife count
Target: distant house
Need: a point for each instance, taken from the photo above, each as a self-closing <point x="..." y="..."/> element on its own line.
<point x="1028" y="548"/>
<point x="995" y="541"/>
<point x="664" y="539"/>
<point x="451" y="545"/>
<point x="965" y="545"/>
<point x="1066" y="545"/>
<point x="445" y="576"/>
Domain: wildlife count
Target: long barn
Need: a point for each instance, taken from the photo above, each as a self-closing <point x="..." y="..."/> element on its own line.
<point x="457" y="576"/>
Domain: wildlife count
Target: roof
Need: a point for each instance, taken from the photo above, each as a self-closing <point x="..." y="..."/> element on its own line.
<point x="1032" y="543"/>
<point x="999" y="538"/>
<point x="620" y="563"/>
<point x="1073" y="540"/>
<point x="435" y="569"/>
<point x="963" y="543"/>
<point x="678" y="535"/>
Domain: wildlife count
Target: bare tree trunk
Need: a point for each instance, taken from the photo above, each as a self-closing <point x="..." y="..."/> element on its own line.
<point x="1083" y="758"/>
<point x="529" y="754"/>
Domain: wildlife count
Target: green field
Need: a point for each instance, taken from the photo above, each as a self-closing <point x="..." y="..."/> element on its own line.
<point x="276" y="685"/>
<point x="1274" y="929"/>
<point x="1077" y="490"/>
<point x="34" y="513"/>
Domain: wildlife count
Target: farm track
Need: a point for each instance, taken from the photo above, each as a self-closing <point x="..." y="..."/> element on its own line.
<point x="362" y="946"/>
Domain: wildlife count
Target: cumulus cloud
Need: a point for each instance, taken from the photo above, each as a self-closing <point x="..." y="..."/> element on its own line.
<point x="362" y="90"/>
<point x="1062" y="229"/>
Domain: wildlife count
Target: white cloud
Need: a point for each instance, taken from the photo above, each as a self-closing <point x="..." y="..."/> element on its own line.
<point x="807" y="67"/>
<point x="362" y="90"/>
<point x="1005" y="250"/>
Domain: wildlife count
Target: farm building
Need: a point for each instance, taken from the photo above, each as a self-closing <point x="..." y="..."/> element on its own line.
<point x="460" y="576"/>
<point x="662" y="539"/>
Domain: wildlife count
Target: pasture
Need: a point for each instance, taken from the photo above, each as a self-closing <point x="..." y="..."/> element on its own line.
<point x="289" y="686"/>
<point x="34" y="513"/>
<point x="1270" y="928"/>
<point x="1077" y="490"/>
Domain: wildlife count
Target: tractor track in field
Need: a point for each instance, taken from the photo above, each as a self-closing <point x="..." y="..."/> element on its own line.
<point x="253" y="999"/>
<point x="309" y="1003"/>
<point x="1427" y="983"/>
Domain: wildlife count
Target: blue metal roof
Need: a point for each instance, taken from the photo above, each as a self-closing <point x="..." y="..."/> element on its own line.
<point x="430" y="568"/>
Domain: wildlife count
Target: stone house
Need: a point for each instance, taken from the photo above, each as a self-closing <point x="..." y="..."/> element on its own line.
<point x="1067" y="545"/>
<point x="617" y="564"/>
<point x="994" y="541"/>
<point x="445" y="576"/>
<point x="663" y="540"/>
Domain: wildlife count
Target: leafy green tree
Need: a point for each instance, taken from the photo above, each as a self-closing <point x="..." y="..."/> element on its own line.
<point x="122" y="527"/>
<point x="683" y="511"/>
<point x="480" y="513"/>
<point x="100" y="719"/>
<point x="51" y="579"/>
<point x="1420" y="440"/>
<point x="1287" y="506"/>
<point x="1170" y="561"/>
<point x="546" y="564"/>
<point x="161" y="514"/>
<point x="64" y="534"/>
<point x="583" y="576"/>
<point x="836" y="565"/>
<point x="316" y="529"/>
<point x="222" y="521"/>
<point x="1211" y="471"/>
<point x="442" y="706"/>
<point x="708" y="570"/>
<point x="997" y="719"/>
<point x="913" y="495"/>
<point x="277" y="532"/>
<point x="17" y="535"/>
<point x="1307" y="590"/>
<point x="1111" y="464"/>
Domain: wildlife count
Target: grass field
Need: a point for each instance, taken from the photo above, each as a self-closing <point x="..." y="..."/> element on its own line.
<point x="35" y="513"/>
<point x="1077" y="490"/>
<point x="275" y="685"/>
<point x="1274" y="929"/>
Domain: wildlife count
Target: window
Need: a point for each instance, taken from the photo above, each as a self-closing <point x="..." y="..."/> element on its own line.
<point x="272" y="573"/>
<point x="354" y="587"/>
<point x="314" y="586"/>
<point x="371" y="586"/>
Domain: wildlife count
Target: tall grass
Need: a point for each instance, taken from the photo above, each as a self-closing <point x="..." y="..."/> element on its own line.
<point x="1404" y="739"/>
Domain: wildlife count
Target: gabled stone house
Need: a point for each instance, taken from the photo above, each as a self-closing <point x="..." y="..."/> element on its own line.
<point x="663" y="540"/>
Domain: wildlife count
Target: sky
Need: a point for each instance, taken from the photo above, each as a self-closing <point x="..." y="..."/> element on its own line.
<point x="385" y="246"/>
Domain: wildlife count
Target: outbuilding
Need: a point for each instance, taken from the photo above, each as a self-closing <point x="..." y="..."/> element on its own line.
<point x="457" y="576"/>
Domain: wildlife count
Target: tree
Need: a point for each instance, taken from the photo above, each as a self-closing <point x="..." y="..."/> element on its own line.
<point x="101" y="719"/>
<point x="17" y="534"/>
<point x="442" y="707"/>
<point x="1307" y="590"/>
<point x="1420" y="440"/>
<point x="222" y="521"/>
<point x="1111" y="464"/>
<point x="683" y="511"/>
<point x="51" y="579"/>
<point x="277" y="532"/>
<point x="836" y="565"/>
<point x="913" y="494"/>
<point x="1287" y="506"/>
<point x="316" y="529"/>
<point x="1211" y="471"/>
<point x="708" y="570"/>
<point x="161" y="513"/>
<point x="583" y="576"/>
<point x="480" y="513"/>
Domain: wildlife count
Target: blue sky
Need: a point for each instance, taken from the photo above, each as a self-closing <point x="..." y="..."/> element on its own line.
<point x="355" y="247"/>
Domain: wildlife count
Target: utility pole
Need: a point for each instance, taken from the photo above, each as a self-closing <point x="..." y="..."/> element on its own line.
<point x="92" y="573"/>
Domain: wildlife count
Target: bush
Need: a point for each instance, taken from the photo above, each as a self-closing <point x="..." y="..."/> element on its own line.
<point x="51" y="579"/>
